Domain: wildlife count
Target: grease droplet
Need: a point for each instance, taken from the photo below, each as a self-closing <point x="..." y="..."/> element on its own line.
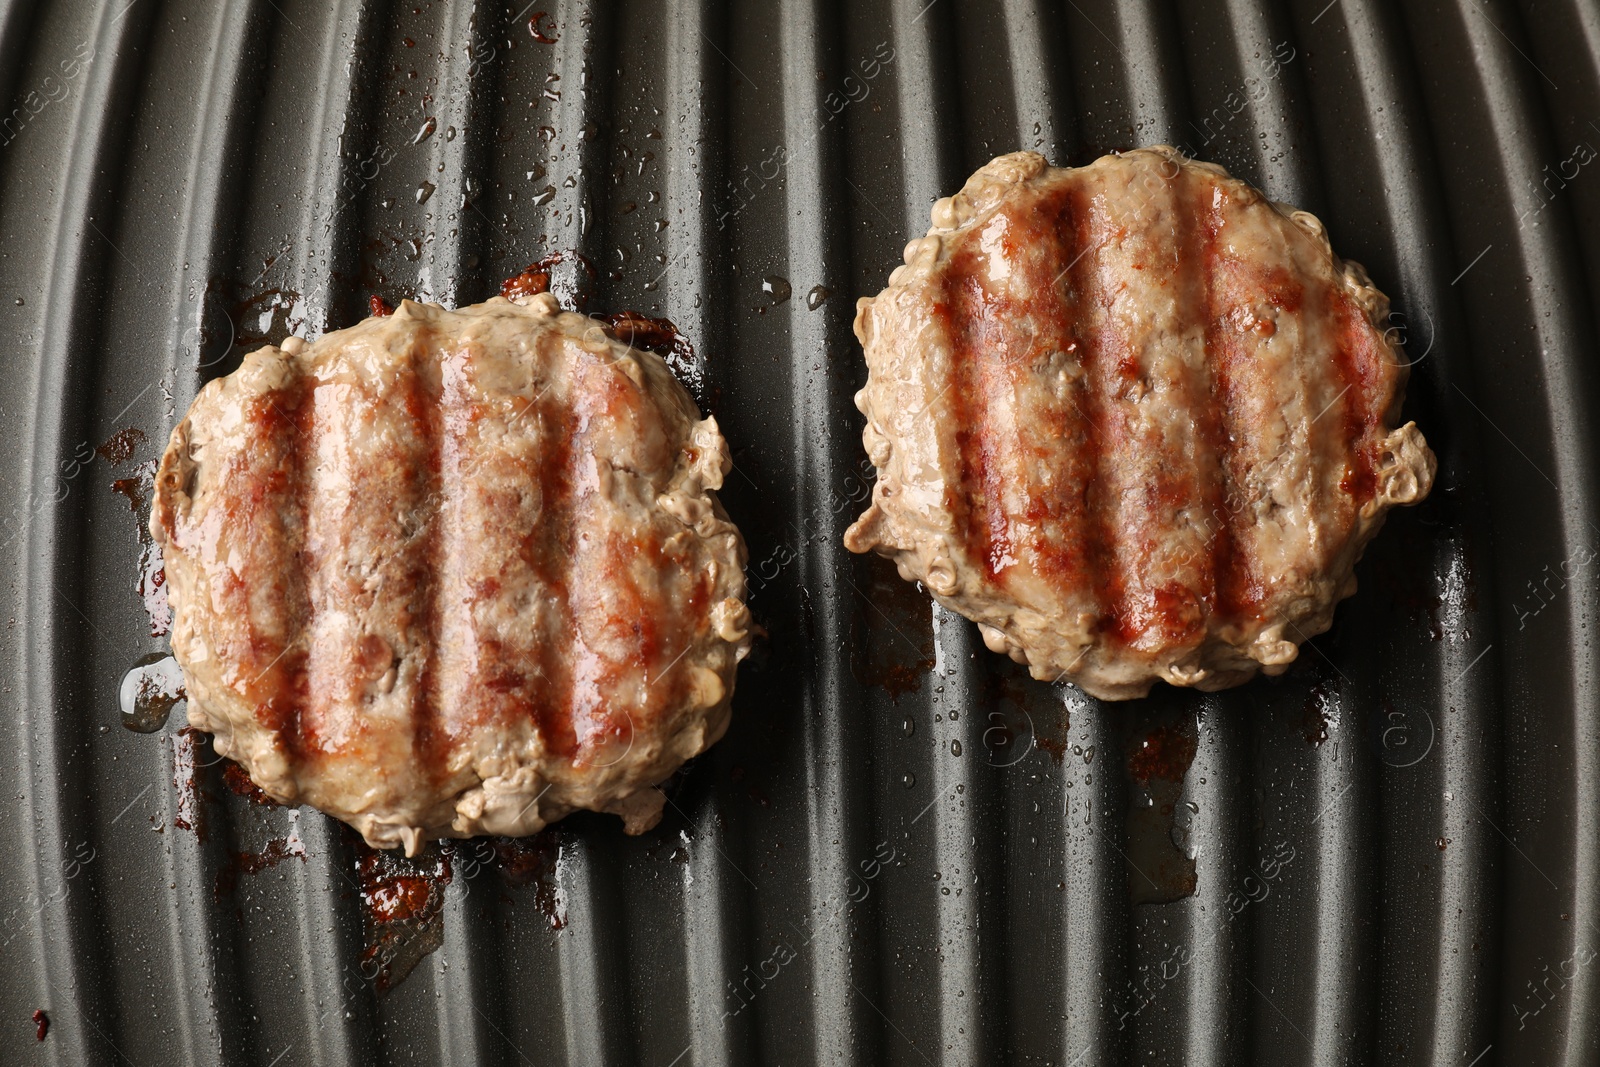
<point x="955" y="748"/>
<point x="149" y="693"/>
<point x="817" y="296"/>
<point x="424" y="191"/>
<point x="776" y="287"/>
<point x="540" y="35"/>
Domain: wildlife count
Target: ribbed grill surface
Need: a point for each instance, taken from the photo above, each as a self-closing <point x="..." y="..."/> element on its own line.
<point x="904" y="851"/>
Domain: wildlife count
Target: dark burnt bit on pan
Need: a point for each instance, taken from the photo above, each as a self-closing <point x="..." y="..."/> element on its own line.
<point x="657" y="335"/>
<point x="531" y="282"/>
<point x="630" y="327"/>
<point x="568" y="274"/>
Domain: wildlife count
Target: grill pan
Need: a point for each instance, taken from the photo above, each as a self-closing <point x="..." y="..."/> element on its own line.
<point x="905" y="851"/>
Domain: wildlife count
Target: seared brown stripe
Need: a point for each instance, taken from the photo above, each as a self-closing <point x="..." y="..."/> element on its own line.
<point x="1054" y="432"/>
<point x="272" y="522"/>
<point x="550" y="551"/>
<point x="431" y="424"/>
<point x="1237" y="589"/>
<point x="1104" y="355"/>
<point x="972" y="319"/>
<point x="1210" y="397"/>
<point x="1358" y="362"/>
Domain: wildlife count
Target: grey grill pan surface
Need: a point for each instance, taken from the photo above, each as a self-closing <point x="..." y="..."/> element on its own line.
<point x="904" y="851"/>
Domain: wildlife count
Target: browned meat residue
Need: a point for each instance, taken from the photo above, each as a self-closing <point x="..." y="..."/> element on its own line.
<point x="120" y="446"/>
<point x="186" y="780"/>
<point x="253" y="863"/>
<point x="402" y="903"/>
<point x="234" y="777"/>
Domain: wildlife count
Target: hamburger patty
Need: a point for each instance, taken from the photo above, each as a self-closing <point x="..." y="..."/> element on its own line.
<point x="1133" y="419"/>
<point x="454" y="573"/>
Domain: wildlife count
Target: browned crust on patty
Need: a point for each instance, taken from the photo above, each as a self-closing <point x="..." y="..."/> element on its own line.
<point x="1133" y="418"/>
<point x="448" y="573"/>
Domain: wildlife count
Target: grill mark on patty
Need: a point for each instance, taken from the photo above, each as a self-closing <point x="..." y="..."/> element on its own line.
<point x="1061" y="472"/>
<point x="619" y="635"/>
<point x="975" y="497"/>
<point x="550" y="551"/>
<point x="1232" y="588"/>
<point x="430" y="422"/>
<point x="1234" y="346"/>
<point x="1002" y="338"/>
<point x="274" y="526"/>
<point x="1105" y="370"/>
<point x="1357" y="360"/>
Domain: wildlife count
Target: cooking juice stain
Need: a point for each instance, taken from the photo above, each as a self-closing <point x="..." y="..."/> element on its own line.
<point x="120" y="446"/>
<point x="1158" y="758"/>
<point x="152" y="583"/>
<point x="239" y="783"/>
<point x="402" y="907"/>
<point x="186" y="781"/>
<point x="897" y="658"/>
<point x="776" y="287"/>
<point x="253" y="863"/>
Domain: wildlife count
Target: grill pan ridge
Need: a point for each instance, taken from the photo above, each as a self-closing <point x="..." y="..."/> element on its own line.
<point x="904" y="851"/>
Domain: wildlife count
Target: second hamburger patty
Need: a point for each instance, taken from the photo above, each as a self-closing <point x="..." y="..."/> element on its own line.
<point x="1135" y="420"/>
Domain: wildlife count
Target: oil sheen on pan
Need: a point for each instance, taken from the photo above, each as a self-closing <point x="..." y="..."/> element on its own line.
<point x="1134" y="419"/>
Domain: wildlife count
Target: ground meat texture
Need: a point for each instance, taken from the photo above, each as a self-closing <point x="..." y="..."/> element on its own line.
<point x="1134" y="419"/>
<point x="454" y="572"/>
